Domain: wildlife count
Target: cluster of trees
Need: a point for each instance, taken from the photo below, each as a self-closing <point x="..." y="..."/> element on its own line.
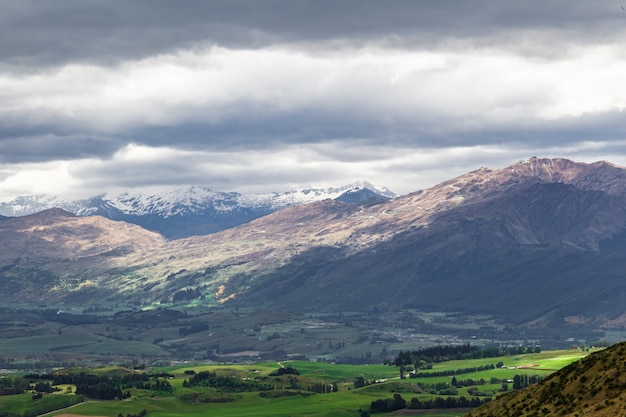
<point x="360" y="382"/>
<point x="493" y="351"/>
<point x="472" y="382"/>
<point x="112" y="387"/>
<point x="322" y="388"/>
<point x="19" y="385"/>
<point x="285" y="370"/>
<point x="136" y="380"/>
<point x="451" y="372"/>
<point x="441" y="388"/>
<point x="387" y="405"/>
<point x="442" y="353"/>
<point x="222" y="383"/>
<point x="475" y="392"/>
<point x="521" y="381"/>
<point x="160" y="385"/>
<point x="44" y="387"/>
<point x="449" y="402"/>
<point x="102" y="391"/>
<point x="13" y="385"/>
<point x="438" y="354"/>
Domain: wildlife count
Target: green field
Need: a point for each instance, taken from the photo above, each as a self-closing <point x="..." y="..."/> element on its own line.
<point x="291" y="395"/>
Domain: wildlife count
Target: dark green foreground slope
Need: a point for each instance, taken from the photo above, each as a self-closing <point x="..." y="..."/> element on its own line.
<point x="592" y="387"/>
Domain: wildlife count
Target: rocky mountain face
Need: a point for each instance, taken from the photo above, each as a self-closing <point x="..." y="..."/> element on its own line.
<point x="177" y="213"/>
<point x="55" y="256"/>
<point x="593" y="387"/>
<point x="540" y="242"/>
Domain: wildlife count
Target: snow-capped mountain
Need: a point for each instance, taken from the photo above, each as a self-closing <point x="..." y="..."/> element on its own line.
<point x="195" y="210"/>
<point x="308" y="195"/>
<point x="30" y="204"/>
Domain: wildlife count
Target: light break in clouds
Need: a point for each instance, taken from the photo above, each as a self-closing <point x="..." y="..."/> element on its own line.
<point x="272" y="95"/>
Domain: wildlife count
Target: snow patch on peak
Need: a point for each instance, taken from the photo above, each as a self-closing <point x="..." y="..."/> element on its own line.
<point x="166" y="203"/>
<point x="309" y="195"/>
<point x="30" y="204"/>
<point x="191" y="200"/>
<point x="384" y="191"/>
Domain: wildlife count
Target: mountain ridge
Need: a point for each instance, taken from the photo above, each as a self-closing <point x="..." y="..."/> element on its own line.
<point x="548" y="234"/>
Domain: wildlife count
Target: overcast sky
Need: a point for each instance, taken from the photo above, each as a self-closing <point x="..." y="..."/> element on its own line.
<point x="270" y="95"/>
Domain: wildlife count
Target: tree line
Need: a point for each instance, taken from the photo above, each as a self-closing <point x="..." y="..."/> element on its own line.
<point x="223" y="383"/>
<point x="103" y="387"/>
<point x="448" y="402"/>
<point x="424" y="358"/>
<point x="452" y="372"/>
<point x="386" y="405"/>
<point x="443" y="353"/>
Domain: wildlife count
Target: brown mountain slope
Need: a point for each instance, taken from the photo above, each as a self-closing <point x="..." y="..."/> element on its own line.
<point x="51" y="254"/>
<point x="482" y="242"/>
<point x="354" y="228"/>
<point x="595" y="386"/>
<point x="55" y="234"/>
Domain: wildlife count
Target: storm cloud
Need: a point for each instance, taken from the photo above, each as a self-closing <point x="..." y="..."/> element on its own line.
<point x="259" y="96"/>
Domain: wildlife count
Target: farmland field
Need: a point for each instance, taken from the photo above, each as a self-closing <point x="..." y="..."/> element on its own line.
<point x="314" y="389"/>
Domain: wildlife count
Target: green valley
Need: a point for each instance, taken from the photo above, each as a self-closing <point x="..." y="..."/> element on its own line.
<point x="290" y="388"/>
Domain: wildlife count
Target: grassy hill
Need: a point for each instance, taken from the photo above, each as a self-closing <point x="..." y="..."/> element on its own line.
<point x="592" y="387"/>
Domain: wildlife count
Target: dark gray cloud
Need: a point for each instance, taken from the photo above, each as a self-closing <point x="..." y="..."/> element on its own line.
<point x="269" y="94"/>
<point x="356" y="132"/>
<point x="31" y="149"/>
<point x="39" y="33"/>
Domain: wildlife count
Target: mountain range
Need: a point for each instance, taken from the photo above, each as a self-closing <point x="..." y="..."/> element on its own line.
<point x="539" y="243"/>
<point x="195" y="210"/>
